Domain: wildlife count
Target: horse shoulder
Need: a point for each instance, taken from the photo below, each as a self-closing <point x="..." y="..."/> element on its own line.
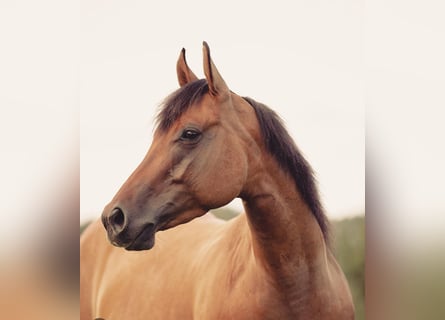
<point x="231" y="284"/>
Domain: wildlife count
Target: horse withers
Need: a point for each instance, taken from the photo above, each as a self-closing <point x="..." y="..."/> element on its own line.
<point x="272" y="262"/>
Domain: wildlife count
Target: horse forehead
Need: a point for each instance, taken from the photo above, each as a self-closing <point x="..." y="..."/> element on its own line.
<point x="209" y="111"/>
<point x="206" y="111"/>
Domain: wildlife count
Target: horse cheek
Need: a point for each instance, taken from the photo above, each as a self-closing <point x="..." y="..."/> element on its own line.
<point x="225" y="179"/>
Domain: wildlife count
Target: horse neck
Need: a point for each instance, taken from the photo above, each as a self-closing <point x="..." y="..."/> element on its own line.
<point x="286" y="238"/>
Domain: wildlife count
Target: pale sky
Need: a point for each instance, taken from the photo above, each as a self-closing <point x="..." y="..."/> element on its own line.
<point x="304" y="60"/>
<point x="318" y="64"/>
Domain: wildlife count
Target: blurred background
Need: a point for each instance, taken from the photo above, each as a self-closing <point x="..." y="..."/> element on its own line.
<point x="80" y="82"/>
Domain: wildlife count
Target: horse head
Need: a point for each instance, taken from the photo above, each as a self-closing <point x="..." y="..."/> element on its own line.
<point x="199" y="159"/>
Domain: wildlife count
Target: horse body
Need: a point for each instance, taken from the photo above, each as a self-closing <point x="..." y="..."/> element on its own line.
<point x="205" y="269"/>
<point x="272" y="262"/>
<point x="178" y="277"/>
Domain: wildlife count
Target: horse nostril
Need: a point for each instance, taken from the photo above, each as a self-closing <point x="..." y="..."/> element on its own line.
<point x="117" y="220"/>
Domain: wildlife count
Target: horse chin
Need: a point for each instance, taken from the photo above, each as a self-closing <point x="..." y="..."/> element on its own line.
<point x="171" y="221"/>
<point x="145" y="240"/>
<point x="149" y="244"/>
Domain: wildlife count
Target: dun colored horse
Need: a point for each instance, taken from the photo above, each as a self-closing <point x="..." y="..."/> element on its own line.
<point x="273" y="262"/>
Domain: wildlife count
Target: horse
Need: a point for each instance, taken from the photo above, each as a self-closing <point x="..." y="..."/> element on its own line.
<point x="209" y="147"/>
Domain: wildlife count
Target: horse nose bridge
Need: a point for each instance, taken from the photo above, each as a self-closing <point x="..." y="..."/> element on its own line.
<point x="149" y="172"/>
<point x="129" y="203"/>
<point x="137" y="194"/>
<point x="137" y="186"/>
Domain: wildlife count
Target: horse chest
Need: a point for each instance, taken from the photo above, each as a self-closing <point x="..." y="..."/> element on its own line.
<point x="247" y="307"/>
<point x="245" y="298"/>
<point x="240" y="298"/>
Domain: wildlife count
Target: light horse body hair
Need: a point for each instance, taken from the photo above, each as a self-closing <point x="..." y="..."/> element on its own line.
<point x="272" y="262"/>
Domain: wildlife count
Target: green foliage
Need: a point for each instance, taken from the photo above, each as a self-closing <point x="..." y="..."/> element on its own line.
<point x="224" y="213"/>
<point x="349" y="247"/>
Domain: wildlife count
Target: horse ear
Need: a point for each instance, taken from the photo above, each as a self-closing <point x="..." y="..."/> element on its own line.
<point x="185" y="75"/>
<point x="217" y="85"/>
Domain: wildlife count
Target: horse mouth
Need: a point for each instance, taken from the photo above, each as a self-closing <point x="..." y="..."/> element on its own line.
<point x="145" y="240"/>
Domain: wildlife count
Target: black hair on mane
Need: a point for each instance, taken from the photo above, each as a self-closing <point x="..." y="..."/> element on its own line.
<point x="277" y="139"/>
<point x="280" y="144"/>
<point x="179" y="101"/>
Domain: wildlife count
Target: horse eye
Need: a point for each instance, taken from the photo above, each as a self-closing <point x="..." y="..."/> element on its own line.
<point x="190" y="135"/>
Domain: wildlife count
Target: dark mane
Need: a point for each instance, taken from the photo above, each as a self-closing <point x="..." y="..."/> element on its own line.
<point x="282" y="147"/>
<point x="179" y="101"/>
<point x="277" y="139"/>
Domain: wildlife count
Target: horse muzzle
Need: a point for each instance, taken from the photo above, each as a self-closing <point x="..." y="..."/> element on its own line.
<point x="121" y="234"/>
